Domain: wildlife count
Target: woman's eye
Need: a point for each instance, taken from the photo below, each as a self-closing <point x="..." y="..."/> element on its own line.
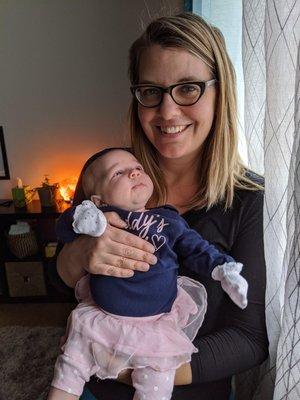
<point x="189" y="89"/>
<point x="150" y="92"/>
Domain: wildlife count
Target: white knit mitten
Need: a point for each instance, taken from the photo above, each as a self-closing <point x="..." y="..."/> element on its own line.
<point x="89" y="220"/>
<point x="232" y="282"/>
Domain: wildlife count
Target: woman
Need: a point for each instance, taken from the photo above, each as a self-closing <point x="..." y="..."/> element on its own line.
<point x="184" y="130"/>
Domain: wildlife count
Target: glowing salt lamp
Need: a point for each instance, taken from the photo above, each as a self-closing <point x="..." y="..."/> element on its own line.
<point x="67" y="188"/>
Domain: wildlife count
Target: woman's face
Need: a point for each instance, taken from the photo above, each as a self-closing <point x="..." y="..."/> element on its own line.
<point x="176" y="131"/>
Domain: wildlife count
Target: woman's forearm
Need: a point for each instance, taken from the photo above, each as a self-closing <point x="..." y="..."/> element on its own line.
<point x="70" y="262"/>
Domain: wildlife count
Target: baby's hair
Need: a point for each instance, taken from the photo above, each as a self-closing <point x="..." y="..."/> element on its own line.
<point x="90" y="174"/>
<point x="88" y="180"/>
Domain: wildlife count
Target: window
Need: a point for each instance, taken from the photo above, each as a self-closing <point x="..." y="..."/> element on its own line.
<point x="227" y="16"/>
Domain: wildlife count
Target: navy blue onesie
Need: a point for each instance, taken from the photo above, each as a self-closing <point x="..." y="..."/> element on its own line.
<point x="152" y="292"/>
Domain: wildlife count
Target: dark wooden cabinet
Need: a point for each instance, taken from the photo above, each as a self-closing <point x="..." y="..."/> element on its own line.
<point x="28" y="279"/>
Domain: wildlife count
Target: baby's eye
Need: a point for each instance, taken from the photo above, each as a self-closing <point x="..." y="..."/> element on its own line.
<point x="117" y="173"/>
<point x="140" y="168"/>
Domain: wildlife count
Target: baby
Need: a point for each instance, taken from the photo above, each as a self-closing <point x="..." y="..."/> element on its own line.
<point x="146" y="322"/>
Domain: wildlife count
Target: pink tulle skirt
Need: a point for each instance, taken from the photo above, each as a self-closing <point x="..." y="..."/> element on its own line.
<point x="116" y="343"/>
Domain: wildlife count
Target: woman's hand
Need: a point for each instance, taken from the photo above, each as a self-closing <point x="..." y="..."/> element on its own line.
<point x="183" y="375"/>
<point x="116" y="253"/>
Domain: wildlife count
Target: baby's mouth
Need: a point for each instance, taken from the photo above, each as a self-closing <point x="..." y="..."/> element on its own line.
<point x="138" y="185"/>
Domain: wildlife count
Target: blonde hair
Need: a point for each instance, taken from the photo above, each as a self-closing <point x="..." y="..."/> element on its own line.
<point x="221" y="167"/>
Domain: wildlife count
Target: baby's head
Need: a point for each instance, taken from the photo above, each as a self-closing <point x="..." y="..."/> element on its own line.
<point x="118" y="179"/>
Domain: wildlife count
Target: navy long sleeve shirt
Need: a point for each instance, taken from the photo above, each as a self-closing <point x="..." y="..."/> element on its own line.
<point x="152" y="292"/>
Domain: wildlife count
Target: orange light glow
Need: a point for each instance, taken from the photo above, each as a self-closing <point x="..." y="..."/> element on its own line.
<point x="67" y="188"/>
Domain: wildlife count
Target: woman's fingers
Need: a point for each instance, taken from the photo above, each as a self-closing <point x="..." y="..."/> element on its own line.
<point x="126" y="252"/>
<point x="118" y="253"/>
<point x="131" y="240"/>
<point x="127" y="263"/>
<point x="119" y="257"/>
<point x="110" y="270"/>
<point x="122" y="236"/>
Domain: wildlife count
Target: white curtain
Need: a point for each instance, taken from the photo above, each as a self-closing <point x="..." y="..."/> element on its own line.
<point x="271" y="61"/>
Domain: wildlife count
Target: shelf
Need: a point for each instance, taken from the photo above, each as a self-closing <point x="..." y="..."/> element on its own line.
<point x="14" y="277"/>
<point x="34" y="209"/>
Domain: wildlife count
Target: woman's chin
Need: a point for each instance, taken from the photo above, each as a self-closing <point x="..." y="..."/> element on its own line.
<point x="171" y="152"/>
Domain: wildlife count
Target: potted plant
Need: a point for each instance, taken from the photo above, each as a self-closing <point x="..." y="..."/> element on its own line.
<point x="48" y="193"/>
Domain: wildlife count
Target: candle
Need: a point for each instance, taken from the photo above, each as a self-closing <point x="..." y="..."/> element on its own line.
<point x="19" y="183"/>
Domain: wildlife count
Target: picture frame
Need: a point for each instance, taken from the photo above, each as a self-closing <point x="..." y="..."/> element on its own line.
<point x="4" y="170"/>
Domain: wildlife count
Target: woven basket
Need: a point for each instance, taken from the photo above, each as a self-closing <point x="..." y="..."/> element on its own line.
<point x="23" y="245"/>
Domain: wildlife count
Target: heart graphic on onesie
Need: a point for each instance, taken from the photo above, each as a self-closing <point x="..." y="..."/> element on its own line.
<point x="158" y="241"/>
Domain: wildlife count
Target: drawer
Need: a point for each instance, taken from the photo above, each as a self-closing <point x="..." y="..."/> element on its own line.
<point x="25" y="278"/>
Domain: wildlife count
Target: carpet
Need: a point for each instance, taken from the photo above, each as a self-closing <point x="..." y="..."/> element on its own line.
<point x="27" y="357"/>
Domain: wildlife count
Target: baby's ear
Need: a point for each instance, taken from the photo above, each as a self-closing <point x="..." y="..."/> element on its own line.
<point x="96" y="199"/>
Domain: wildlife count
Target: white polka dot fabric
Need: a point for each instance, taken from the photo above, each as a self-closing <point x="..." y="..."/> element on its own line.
<point x="150" y="384"/>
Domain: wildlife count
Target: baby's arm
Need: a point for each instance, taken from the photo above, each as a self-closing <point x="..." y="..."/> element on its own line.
<point x="86" y="219"/>
<point x="63" y="228"/>
<point x="205" y="259"/>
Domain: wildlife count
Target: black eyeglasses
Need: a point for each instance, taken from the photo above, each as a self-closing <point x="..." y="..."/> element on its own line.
<point x="184" y="94"/>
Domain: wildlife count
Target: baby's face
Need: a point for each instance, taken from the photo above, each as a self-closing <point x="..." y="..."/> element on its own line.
<point x="123" y="182"/>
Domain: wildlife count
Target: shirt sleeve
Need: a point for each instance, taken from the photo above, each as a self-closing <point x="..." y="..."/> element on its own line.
<point x="196" y="253"/>
<point x="65" y="234"/>
<point x="64" y="229"/>
<point x="241" y="339"/>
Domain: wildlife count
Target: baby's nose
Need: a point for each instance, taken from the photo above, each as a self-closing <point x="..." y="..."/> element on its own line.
<point x="134" y="173"/>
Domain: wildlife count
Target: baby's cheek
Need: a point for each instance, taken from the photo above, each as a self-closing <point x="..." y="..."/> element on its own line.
<point x="119" y="197"/>
<point x="150" y="184"/>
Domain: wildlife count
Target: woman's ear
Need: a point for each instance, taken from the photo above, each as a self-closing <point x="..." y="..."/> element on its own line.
<point x="96" y="199"/>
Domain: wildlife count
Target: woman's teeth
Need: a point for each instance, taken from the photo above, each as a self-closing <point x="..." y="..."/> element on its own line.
<point x="172" y="129"/>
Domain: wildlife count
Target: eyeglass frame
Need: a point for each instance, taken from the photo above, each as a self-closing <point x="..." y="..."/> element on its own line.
<point x="202" y="84"/>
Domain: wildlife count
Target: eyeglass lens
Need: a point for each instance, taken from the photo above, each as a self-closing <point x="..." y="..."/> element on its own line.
<point x="183" y="94"/>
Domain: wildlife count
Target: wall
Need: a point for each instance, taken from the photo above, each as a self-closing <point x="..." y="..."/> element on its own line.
<point x="63" y="80"/>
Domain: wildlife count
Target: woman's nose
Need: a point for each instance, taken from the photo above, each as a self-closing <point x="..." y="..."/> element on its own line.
<point x="168" y="109"/>
<point x="134" y="173"/>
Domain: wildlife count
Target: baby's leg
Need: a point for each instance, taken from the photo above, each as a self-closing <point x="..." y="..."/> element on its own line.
<point x="71" y="373"/>
<point x="152" y="385"/>
<point x="74" y="367"/>
<point x="57" y="394"/>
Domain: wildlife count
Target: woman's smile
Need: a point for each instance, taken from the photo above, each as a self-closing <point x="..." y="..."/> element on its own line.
<point x="173" y="131"/>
